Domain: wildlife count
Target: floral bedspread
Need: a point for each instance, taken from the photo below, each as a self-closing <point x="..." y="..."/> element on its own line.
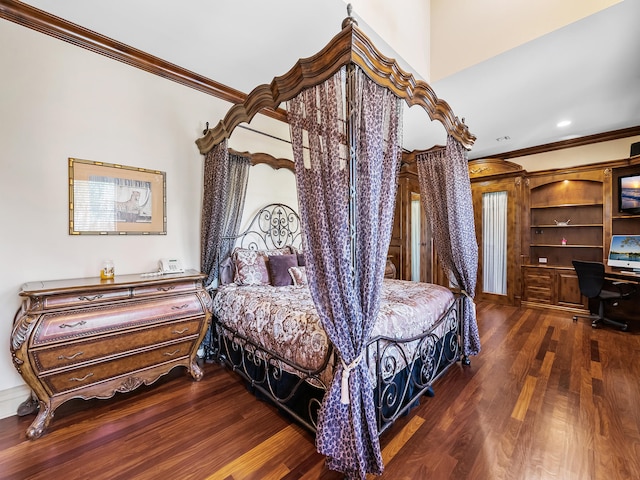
<point x="284" y="319"/>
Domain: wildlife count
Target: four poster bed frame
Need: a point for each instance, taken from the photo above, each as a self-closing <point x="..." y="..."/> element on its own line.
<point x="403" y="369"/>
<point x="295" y="389"/>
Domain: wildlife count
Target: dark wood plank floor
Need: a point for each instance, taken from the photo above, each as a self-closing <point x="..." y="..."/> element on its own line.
<point x="546" y="399"/>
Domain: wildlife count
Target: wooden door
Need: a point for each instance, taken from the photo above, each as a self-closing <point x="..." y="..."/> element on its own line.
<point x="503" y="256"/>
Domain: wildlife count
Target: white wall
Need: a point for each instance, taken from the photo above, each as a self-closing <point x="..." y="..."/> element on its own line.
<point x="59" y="101"/>
<point x="465" y="33"/>
<point x="409" y="34"/>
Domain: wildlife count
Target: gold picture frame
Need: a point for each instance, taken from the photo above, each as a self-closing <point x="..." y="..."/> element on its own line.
<point x="111" y="199"/>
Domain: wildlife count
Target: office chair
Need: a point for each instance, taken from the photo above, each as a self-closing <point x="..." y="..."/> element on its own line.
<point x="591" y="281"/>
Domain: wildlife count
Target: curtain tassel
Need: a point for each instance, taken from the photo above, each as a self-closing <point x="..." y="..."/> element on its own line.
<point x="346" y="370"/>
<point x="473" y="303"/>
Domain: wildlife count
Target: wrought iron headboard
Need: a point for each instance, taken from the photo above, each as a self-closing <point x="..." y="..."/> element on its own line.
<point x="274" y="226"/>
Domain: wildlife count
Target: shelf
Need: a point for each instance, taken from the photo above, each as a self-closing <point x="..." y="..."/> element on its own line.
<point x="565" y="205"/>
<point x="549" y="267"/>
<point x="625" y="217"/>
<point x="553" y="225"/>
<point x="547" y="245"/>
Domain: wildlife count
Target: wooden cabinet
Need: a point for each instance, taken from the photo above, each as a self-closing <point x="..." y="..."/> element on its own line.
<point x="552" y="287"/>
<point x="91" y="338"/>
<point x="567" y="222"/>
<point x="538" y="284"/>
<point x="567" y="217"/>
<point x="410" y="248"/>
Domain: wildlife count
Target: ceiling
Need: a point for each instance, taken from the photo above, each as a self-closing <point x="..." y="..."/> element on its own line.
<point x="588" y="71"/>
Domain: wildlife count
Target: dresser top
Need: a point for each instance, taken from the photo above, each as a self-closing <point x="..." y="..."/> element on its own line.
<point x="51" y="287"/>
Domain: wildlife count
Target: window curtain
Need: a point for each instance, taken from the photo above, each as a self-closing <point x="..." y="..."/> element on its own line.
<point x="416" y="240"/>
<point x="347" y="299"/>
<point x="445" y="190"/>
<point x="225" y="187"/>
<point x="494" y="242"/>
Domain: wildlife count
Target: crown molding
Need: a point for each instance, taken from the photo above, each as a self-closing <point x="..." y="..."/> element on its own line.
<point x="574" y="142"/>
<point x="43" y="22"/>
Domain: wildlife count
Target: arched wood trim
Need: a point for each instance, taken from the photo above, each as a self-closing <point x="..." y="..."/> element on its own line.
<point x="348" y="46"/>
<point x="273" y="162"/>
<point x="487" y="167"/>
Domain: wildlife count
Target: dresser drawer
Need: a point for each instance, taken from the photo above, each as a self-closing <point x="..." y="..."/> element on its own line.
<point x="538" y="278"/>
<point x="69" y="325"/>
<point x="85" y="298"/>
<point x="164" y="289"/>
<point x="538" y="295"/>
<point x="69" y="354"/>
<point x="92" y="374"/>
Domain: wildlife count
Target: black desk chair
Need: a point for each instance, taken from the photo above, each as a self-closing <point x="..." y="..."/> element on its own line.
<point x="591" y="280"/>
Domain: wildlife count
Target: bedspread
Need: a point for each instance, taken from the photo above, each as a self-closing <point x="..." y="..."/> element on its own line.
<point x="284" y="319"/>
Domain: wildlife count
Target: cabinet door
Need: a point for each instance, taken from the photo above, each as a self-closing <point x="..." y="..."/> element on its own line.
<point x="411" y="243"/>
<point x="568" y="290"/>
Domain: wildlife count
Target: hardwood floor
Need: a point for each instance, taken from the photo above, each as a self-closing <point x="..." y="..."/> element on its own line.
<point x="547" y="398"/>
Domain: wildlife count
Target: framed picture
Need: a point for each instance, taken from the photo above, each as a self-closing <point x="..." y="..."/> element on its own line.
<point x="109" y="199"/>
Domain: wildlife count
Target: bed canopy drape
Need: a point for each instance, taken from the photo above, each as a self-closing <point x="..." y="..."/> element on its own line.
<point x="344" y="114"/>
<point x="225" y="185"/>
<point x="347" y="234"/>
<point x="450" y="209"/>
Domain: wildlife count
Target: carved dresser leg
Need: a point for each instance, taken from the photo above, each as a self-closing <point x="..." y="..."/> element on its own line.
<point x="196" y="371"/>
<point x="41" y="421"/>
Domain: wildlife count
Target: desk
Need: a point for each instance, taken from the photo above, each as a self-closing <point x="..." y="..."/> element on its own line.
<point x="621" y="274"/>
<point x="628" y="309"/>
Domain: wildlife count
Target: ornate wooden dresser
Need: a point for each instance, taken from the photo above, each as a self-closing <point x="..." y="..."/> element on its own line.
<point x="90" y="338"/>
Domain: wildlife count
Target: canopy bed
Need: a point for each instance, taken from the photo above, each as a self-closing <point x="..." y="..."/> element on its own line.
<point x="344" y="110"/>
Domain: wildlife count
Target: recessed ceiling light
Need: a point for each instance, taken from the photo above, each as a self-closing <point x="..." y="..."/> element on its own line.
<point x="564" y="123"/>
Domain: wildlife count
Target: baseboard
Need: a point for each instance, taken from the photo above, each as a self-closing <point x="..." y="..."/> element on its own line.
<point x="11" y="398"/>
<point x="559" y="308"/>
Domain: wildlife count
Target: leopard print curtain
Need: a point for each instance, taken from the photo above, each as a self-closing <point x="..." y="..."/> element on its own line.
<point x="445" y="192"/>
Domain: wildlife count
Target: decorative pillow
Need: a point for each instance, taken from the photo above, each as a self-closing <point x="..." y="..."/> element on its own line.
<point x="278" y="266"/>
<point x="298" y="275"/>
<point x="251" y="268"/>
<point x="301" y="262"/>
<point x="251" y="265"/>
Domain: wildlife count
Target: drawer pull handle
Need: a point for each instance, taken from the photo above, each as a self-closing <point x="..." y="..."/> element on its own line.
<point x="71" y="357"/>
<point x="179" y="332"/>
<point x="180" y="307"/>
<point x="90" y="299"/>
<point x="72" y="325"/>
<point x="166" y="289"/>
<point x="171" y="354"/>
<point x="75" y="379"/>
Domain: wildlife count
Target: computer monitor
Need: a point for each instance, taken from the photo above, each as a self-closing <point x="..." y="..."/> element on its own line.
<point x="624" y="252"/>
